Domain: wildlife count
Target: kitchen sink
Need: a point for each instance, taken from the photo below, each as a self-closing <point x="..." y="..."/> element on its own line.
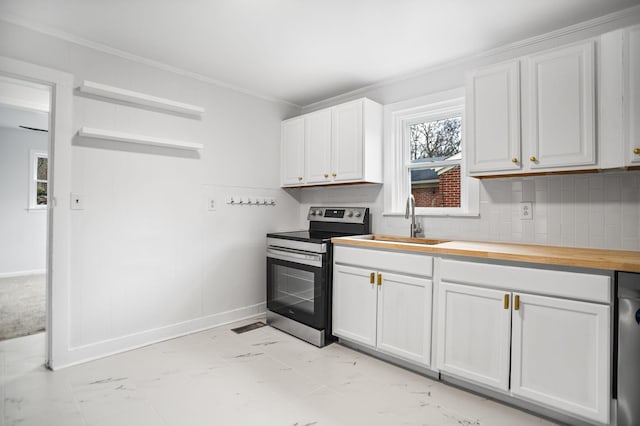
<point x="411" y="240"/>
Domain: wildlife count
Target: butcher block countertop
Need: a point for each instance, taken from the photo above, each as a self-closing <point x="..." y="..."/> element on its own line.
<point x="614" y="260"/>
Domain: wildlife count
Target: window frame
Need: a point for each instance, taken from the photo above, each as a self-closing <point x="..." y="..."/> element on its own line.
<point x="34" y="155"/>
<point x="398" y="118"/>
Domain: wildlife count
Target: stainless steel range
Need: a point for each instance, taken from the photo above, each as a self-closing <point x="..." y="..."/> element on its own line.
<point x="299" y="272"/>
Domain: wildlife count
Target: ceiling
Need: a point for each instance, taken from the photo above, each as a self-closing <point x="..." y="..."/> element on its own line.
<point x="304" y="51"/>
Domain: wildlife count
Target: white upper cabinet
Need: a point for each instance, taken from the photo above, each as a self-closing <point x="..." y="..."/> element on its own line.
<point x="341" y="144"/>
<point x="559" y="105"/>
<point x="631" y="58"/>
<point x="347" y="147"/>
<point x="492" y="117"/>
<point x="318" y="147"/>
<point x="551" y="127"/>
<point x="292" y="151"/>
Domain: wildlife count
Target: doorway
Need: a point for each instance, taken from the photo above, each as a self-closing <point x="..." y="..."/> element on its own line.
<point x="24" y="199"/>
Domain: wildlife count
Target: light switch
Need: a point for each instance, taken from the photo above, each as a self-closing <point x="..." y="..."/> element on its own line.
<point x="77" y="201"/>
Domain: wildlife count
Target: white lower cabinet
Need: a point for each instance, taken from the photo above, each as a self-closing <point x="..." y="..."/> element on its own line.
<point x="404" y="317"/>
<point x="381" y="308"/>
<point x="355" y="305"/>
<point x="553" y="351"/>
<point x="475" y="334"/>
<point x="560" y="354"/>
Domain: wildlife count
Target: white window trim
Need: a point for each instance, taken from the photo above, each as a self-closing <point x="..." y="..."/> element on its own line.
<point x="396" y="187"/>
<point x="33" y="170"/>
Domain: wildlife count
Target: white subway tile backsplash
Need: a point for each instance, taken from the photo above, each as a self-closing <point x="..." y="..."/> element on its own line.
<point x="599" y="210"/>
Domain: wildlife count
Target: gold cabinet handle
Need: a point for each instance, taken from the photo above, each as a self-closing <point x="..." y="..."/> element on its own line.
<point x="516" y="303"/>
<point x="533" y="158"/>
<point x="334" y="174"/>
<point x="372" y="278"/>
<point x="506" y="301"/>
<point x="379" y="279"/>
<point x="514" y="160"/>
<point x="299" y="179"/>
<point x="326" y="175"/>
<point x="636" y="151"/>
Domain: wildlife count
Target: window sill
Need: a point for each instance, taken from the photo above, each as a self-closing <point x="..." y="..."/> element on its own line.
<point x="443" y="214"/>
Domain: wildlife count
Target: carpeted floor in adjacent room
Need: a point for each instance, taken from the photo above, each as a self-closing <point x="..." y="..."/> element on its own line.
<point x="22" y="305"/>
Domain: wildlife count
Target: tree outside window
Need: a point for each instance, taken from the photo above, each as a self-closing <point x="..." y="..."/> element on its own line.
<point x="435" y="160"/>
<point x="38" y="189"/>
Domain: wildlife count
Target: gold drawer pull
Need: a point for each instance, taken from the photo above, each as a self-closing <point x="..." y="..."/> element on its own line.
<point x="299" y="179"/>
<point x="514" y="160"/>
<point x="636" y="151"/>
<point x="516" y="303"/>
<point x="334" y="174"/>
<point x="506" y="301"/>
<point x="372" y="278"/>
<point x="379" y="279"/>
<point x="533" y="158"/>
<point x="326" y="175"/>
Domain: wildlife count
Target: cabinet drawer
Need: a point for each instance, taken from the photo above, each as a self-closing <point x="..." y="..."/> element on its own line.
<point x="383" y="260"/>
<point x="574" y="285"/>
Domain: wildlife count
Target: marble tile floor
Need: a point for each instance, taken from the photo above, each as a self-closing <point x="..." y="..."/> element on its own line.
<point x="217" y="377"/>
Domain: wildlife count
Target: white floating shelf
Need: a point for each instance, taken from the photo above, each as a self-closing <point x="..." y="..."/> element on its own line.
<point x="89" y="132"/>
<point x="138" y="98"/>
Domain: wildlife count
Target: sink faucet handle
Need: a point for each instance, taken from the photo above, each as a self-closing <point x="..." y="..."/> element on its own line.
<point x="419" y="232"/>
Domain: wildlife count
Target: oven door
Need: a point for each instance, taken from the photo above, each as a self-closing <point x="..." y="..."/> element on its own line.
<point x="297" y="285"/>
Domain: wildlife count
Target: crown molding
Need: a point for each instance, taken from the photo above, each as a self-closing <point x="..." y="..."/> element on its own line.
<point x="71" y="38"/>
<point x="629" y="14"/>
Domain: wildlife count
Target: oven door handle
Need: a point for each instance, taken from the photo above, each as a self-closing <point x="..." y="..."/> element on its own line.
<point x="310" y="259"/>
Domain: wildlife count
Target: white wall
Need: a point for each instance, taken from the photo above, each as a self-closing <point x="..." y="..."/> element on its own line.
<point x="601" y="210"/>
<point x="147" y="260"/>
<point x="23" y="232"/>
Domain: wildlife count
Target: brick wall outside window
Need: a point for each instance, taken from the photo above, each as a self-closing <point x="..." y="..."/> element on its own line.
<point x="444" y="194"/>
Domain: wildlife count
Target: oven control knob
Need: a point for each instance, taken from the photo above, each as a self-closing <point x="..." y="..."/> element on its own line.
<point x="350" y="214"/>
<point x="318" y="212"/>
<point x="358" y="214"/>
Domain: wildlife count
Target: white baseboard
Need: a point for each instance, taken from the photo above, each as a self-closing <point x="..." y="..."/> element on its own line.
<point x="81" y="354"/>
<point x="22" y="273"/>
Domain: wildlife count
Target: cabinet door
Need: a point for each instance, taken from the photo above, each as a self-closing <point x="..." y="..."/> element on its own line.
<point x="347" y="142"/>
<point x="493" y="118"/>
<point x="561" y="108"/>
<point x="318" y="147"/>
<point x="292" y="152"/>
<point x="354" y="305"/>
<point x="404" y="317"/>
<point x="560" y="354"/>
<point x="632" y="95"/>
<point x="474" y="329"/>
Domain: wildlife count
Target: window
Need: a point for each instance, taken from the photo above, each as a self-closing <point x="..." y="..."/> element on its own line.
<point x="38" y="186"/>
<point x="426" y="148"/>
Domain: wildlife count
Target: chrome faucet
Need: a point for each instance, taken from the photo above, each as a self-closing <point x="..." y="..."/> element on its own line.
<point x="416" y="228"/>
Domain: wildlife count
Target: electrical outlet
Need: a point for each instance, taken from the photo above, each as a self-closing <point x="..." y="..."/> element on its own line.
<point x="526" y="210"/>
<point x="77" y="201"/>
<point x="211" y="204"/>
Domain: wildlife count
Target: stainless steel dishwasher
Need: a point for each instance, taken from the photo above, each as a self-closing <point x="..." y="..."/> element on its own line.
<point x="628" y="349"/>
